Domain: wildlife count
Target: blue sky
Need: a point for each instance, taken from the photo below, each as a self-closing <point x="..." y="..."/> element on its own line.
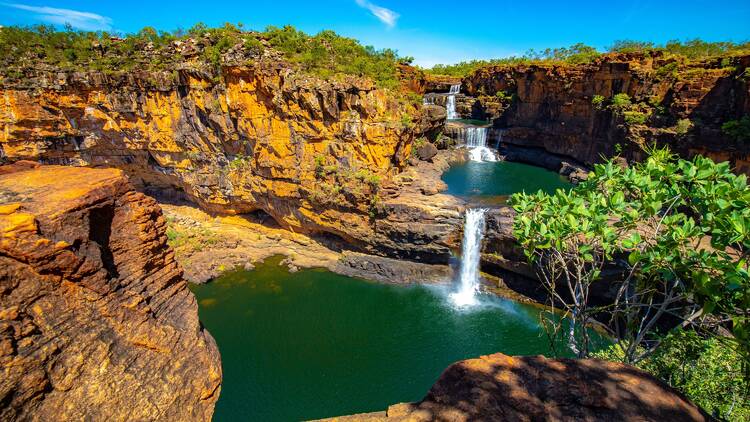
<point x="437" y="31"/>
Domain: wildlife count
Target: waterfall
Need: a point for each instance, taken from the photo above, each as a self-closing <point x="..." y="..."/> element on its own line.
<point x="475" y="138"/>
<point x="450" y="107"/>
<point x="470" y="254"/>
<point x="450" y="102"/>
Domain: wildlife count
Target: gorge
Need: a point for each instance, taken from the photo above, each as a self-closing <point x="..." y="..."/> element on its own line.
<point x="346" y="235"/>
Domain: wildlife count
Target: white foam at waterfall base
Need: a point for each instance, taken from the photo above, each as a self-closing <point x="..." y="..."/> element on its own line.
<point x="468" y="283"/>
<point x="475" y="139"/>
<point x="481" y="154"/>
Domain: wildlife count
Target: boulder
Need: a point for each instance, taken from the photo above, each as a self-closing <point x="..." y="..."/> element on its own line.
<point x="533" y="388"/>
<point x="96" y="321"/>
<point x="426" y="151"/>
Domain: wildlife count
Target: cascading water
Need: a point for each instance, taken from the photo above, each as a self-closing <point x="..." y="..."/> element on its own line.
<point x="471" y="249"/>
<point x="475" y="139"/>
<point x="450" y="102"/>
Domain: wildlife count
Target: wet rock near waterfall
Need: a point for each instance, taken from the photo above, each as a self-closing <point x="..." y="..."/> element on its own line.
<point x="389" y="270"/>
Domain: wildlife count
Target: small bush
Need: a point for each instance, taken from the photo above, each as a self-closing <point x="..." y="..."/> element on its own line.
<point x="598" y="101"/>
<point x="635" y="117"/>
<point x="669" y="70"/>
<point x="739" y="130"/>
<point x="406" y="121"/>
<point x="621" y="102"/>
<point x="708" y="371"/>
<point x="683" y="126"/>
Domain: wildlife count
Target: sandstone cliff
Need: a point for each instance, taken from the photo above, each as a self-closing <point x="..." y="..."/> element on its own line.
<point x="317" y="156"/>
<point x="96" y="322"/>
<point x="532" y="388"/>
<point x="679" y="103"/>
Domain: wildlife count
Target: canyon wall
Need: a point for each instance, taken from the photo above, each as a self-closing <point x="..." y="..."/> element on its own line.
<point x="317" y="156"/>
<point x="553" y="106"/>
<point x="96" y="321"/>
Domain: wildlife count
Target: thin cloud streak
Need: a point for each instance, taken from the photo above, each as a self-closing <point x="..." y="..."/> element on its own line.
<point x="387" y="16"/>
<point x="86" y="21"/>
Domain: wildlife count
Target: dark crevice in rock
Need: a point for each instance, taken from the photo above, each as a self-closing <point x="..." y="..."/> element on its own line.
<point x="100" y="230"/>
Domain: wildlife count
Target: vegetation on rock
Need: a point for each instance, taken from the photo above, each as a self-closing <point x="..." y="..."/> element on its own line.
<point x="739" y="129"/>
<point x="707" y="371"/>
<point x="581" y="54"/>
<point x="325" y="54"/>
<point x="575" y="54"/>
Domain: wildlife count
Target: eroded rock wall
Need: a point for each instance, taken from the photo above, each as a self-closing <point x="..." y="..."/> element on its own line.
<point x="312" y="154"/>
<point x="96" y="321"/>
<point x="551" y="106"/>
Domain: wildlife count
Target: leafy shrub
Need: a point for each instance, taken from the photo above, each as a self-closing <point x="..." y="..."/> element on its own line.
<point x="683" y="126"/>
<point x="506" y="96"/>
<point x="406" y="121"/>
<point x="669" y="70"/>
<point x="635" y="117"/>
<point x="707" y="370"/>
<point x="598" y="101"/>
<point x="654" y="213"/>
<point x="739" y="130"/>
<point x="621" y="102"/>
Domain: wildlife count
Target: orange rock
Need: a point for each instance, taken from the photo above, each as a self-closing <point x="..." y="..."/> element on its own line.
<point x="96" y="321"/>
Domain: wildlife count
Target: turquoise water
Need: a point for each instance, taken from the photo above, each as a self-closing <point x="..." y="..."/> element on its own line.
<point x="500" y="179"/>
<point x="314" y="344"/>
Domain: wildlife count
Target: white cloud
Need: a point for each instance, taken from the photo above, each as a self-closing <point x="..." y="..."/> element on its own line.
<point x="387" y="16"/>
<point x="81" y="20"/>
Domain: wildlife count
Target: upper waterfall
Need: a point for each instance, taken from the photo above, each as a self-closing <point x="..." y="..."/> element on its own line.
<point x="450" y="102"/>
<point x="471" y="249"/>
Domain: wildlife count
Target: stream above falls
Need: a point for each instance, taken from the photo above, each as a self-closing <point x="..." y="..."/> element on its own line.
<point x="493" y="182"/>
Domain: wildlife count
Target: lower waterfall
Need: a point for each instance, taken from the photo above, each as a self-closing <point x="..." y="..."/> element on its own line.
<point x="450" y="107"/>
<point x="475" y="139"/>
<point x="471" y="249"/>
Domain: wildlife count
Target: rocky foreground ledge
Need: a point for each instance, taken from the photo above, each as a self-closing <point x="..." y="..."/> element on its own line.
<point x="533" y="388"/>
<point x="96" y="320"/>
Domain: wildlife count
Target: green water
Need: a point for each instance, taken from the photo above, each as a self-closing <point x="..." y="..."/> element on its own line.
<point x="314" y="344"/>
<point x="500" y="179"/>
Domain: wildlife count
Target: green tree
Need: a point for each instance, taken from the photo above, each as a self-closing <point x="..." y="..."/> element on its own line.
<point x="680" y="228"/>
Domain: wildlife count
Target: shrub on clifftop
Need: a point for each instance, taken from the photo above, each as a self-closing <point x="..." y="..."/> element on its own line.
<point x="325" y="54"/>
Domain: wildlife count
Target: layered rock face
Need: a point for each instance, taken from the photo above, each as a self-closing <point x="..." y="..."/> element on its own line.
<point x="259" y="138"/>
<point x="532" y="388"/>
<point x="96" y="321"/>
<point x="552" y="107"/>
